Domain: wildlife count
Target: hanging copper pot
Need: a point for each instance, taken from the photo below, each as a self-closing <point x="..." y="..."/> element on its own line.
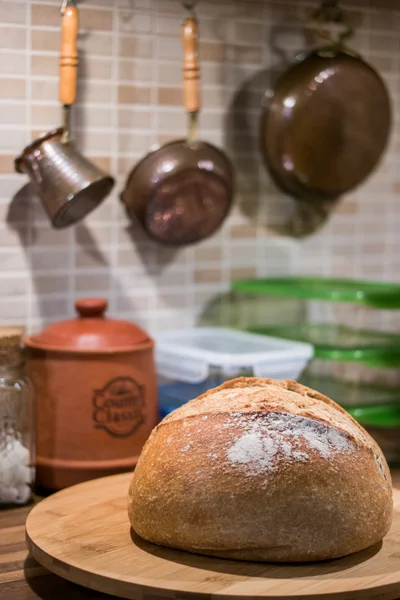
<point x="182" y="192"/>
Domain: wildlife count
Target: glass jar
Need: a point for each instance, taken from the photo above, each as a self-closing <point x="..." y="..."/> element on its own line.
<point x="17" y="443"/>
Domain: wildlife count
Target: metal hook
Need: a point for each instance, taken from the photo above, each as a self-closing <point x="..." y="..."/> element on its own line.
<point x="330" y="12"/>
<point x="189" y="5"/>
<point x="65" y="5"/>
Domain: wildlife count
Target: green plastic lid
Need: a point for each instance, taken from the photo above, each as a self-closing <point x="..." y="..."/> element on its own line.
<point x="367" y="293"/>
<point x="387" y="416"/>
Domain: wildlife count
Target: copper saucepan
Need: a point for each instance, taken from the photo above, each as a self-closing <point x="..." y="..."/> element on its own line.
<point x="182" y="192"/>
<point x="327" y="124"/>
<point x="69" y="185"/>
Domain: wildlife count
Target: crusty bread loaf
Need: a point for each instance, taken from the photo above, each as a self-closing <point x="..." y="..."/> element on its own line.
<point x="262" y="470"/>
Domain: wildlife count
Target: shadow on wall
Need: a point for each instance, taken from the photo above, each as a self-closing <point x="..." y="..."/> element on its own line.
<point x="259" y="199"/>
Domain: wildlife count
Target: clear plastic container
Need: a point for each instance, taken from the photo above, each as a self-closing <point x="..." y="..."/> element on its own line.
<point x="17" y="442"/>
<point x="190" y="362"/>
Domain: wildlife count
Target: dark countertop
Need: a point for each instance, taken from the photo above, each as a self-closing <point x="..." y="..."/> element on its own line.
<point x="22" y="578"/>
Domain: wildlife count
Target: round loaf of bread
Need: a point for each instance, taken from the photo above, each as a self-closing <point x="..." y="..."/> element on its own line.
<point x="261" y="470"/>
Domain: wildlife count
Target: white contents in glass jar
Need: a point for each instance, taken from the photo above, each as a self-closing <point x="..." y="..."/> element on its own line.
<point x="15" y="473"/>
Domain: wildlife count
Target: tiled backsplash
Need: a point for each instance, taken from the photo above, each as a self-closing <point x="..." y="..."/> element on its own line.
<point x="130" y="99"/>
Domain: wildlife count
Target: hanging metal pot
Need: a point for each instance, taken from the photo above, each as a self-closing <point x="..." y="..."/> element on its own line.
<point x="182" y="192"/>
<point x="69" y="185"/>
<point x="327" y="124"/>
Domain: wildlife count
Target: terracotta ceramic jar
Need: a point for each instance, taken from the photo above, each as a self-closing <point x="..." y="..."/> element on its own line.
<point x="96" y="393"/>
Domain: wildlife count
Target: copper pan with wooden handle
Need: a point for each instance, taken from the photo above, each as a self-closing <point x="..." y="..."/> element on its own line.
<point x="182" y="191"/>
<point x="69" y="185"/>
<point x="327" y="124"/>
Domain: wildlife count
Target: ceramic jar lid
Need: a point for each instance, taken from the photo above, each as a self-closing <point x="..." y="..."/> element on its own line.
<point x="91" y="331"/>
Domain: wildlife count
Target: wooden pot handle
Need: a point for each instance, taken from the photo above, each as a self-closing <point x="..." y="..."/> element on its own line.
<point x="191" y="65"/>
<point x="69" y="55"/>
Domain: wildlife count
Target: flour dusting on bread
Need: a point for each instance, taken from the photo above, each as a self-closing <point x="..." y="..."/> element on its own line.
<point x="265" y="442"/>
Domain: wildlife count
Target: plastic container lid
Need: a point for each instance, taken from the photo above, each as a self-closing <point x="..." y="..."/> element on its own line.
<point x="189" y="355"/>
<point x="386" y="416"/>
<point x="92" y="331"/>
<point x="351" y="394"/>
<point x="338" y="342"/>
<point x="367" y="293"/>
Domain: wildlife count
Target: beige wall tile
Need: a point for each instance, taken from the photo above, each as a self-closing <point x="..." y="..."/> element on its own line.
<point x="170" y="73"/>
<point x="45" y="236"/>
<point x="48" y="284"/>
<point x="138" y="47"/>
<point x="135" y="118"/>
<point x="45" y="89"/>
<point x="45" y="116"/>
<point x="134" y="71"/>
<point x="134" y="142"/>
<point x="131" y="94"/>
<point x="243" y="273"/>
<point x="243" y="231"/>
<point x="87" y="257"/>
<point x="169" y="96"/>
<point x="347" y="207"/>
<point x="43" y="260"/>
<point x="45" y="39"/>
<point x="169" y="48"/>
<point x="171" y="301"/>
<point x="12" y="63"/>
<point x="209" y="275"/>
<point x="212" y="51"/>
<point x="44" y="65"/>
<point x="7" y="163"/>
<point x="132" y="303"/>
<point x="13" y="311"/>
<point x="92" y="283"/>
<point x="12" y="113"/>
<point x="384" y="42"/>
<point x="13" y="286"/>
<point x="94" y="67"/>
<point x="249" y="33"/>
<point x="51" y="307"/>
<point x="174" y="121"/>
<point x="91" y="18"/>
<point x="12" y="140"/>
<point x="45" y="15"/>
<point x="93" y="92"/>
<point x="13" y="12"/>
<point x="247" y="54"/>
<point x="208" y="253"/>
<point x="97" y="43"/>
<point x="133" y="21"/>
<point x="14" y="260"/>
<point x="13" y="38"/>
<point x="126" y="164"/>
<point x="103" y="162"/>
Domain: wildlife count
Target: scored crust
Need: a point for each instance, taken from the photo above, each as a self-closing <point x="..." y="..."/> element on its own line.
<point x="272" y="394"/>
<point x="259" y="469"/>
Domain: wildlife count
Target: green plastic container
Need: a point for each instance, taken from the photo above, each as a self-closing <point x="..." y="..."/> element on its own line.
<point x="331" y="338"/>
<point x="338" y="342"/>
<point x="375" y="407"/>
<point x="367" y="293"/>
<point x="352" y="395"/>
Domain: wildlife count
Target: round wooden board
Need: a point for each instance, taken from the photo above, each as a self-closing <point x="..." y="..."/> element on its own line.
<point x="83" y="535"/>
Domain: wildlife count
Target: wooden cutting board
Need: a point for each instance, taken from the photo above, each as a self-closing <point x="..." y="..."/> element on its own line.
<point x="83" y="535"/>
